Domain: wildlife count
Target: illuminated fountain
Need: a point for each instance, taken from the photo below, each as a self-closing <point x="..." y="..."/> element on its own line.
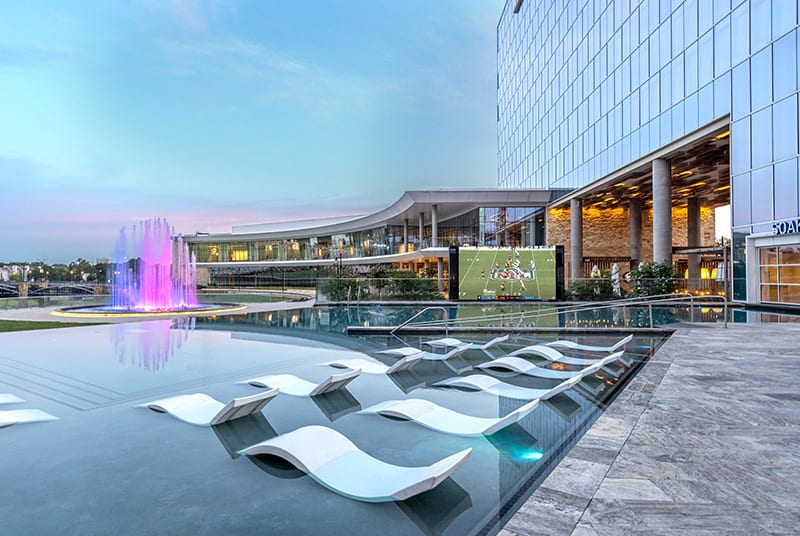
<point x="152" y="274"/>
<point x="152" y="270"/>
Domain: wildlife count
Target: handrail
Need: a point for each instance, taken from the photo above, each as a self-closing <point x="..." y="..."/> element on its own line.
<point x="639" y="300"/>
<point x="404" y="324"/>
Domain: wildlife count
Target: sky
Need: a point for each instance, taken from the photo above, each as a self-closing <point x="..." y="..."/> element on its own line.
<point x="213" y="114"/>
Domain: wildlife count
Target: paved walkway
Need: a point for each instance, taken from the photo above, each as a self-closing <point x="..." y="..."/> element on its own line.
<point x="704" y="441"/>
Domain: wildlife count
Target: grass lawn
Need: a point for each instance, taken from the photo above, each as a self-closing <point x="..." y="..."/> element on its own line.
<point x="26" y="325"/>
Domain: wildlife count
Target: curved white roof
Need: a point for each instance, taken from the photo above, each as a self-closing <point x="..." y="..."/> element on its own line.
<point x="450" y="203"/>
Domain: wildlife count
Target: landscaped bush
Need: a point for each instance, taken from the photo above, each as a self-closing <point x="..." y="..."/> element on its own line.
<point x="597" y="289"/>
<point x="653" y="279"/>
<point x="341" y="288"/>
<point x="407" y="286"/>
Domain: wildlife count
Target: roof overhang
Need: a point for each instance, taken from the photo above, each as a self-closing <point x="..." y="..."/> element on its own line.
<point x="450" y="204"/>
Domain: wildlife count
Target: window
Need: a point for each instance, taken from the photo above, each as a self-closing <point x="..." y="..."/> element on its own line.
<point x="780" y="274"/>
<point x="761" y="79"/>
<point x="740" y="146"/>
<point x="690" y="69"/>
<point x="706" y="55"/>
<point x="740" y="29"/>
<point x="784" y="72"/>
<point x="741" y="90"/>
<point x="760" y="24"/>
<point x="786" y="186"/>
<point x="740" y="194"/>
<point x="784" y="128"/>
<point x="784" y="14"/>
<point x="722" y="46"/>
<point x="761" y="200"/>
<point x="761" y="133"/>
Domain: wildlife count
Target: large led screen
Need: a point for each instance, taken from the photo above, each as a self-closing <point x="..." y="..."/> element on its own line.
<point x="486" y="273"/>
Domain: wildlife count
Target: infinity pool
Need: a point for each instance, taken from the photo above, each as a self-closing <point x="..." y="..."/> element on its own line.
<point x="108" y="466"/>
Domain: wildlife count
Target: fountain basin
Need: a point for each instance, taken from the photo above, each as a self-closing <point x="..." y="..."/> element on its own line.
<point x="108" y="312"/>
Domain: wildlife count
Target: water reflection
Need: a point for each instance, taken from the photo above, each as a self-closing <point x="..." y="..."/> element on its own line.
<point x="149" y="345"/>
<point x="434" y="510"/>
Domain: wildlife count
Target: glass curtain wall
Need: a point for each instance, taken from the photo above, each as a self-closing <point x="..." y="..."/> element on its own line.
<point x="587" y="86"/>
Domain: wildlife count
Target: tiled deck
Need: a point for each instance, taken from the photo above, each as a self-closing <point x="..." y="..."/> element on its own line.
<point x="705" y="440"/>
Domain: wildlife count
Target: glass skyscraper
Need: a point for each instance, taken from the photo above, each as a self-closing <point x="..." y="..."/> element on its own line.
<point x="595" y="95"/>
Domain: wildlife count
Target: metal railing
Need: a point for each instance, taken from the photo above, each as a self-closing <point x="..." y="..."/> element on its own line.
<point x="446" y="319"/>
<point x="642" y="301"/>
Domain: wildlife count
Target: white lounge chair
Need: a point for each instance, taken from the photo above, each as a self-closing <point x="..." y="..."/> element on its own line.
<point x="481" y="382"/>
<point x="21" y="416"/>
<point x="522" y="366"/>
<point x="292" y="385"/>
<point x="428" y="356"/>
<point x="539" y="350"/>
<point x="203" y="410"/>
<point x="335" y="462"/>
<point x="370" y="367"/>
<point x="445" y="420"/>
<point x="402" y="352"/>
<point x="572" y="345"/>
<point x="450" y="342"/>
<point x="6" y="398"/>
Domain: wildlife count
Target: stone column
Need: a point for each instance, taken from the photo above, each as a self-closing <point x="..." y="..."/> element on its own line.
<point x="693" y="240"/>
<point x="532" y="231"/>
<point x="440" y="273"/>
<point x="662" y="211"/>
<point x="576" y="239"/>
<point x="405" y="235"/>
<point x="421" y="228"/>
<point x="434" y="226"/>
<point x="635" y="209"/>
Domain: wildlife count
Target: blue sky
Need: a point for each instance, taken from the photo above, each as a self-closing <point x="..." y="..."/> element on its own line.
<point x="213" y="113"/>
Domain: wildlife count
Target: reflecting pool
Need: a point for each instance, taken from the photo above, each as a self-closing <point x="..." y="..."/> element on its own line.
<point x="109" y="466"/>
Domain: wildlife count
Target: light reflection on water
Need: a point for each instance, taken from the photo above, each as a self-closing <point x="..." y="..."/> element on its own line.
<point x="149" y="345"/>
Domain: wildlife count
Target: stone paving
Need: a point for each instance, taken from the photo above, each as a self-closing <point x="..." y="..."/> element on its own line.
<point x="705" y="440"/>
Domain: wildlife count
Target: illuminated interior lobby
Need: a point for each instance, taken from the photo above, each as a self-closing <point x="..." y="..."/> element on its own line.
<point x="413" y="233"/>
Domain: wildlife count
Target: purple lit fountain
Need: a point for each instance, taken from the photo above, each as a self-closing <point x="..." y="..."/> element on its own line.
<point x="152" y="274"/>
<point x="152" y="270"/>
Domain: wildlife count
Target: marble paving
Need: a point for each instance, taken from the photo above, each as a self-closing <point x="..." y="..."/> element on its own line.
<point x="705" y="440"/>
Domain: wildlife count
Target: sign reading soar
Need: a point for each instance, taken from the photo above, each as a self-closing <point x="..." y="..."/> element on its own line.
<point x="786" y="227"/>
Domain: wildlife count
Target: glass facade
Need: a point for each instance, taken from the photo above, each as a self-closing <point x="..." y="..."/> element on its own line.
<point x="492" y="226"/>
<point x="587" y="86"/>
<point x="780" y="274"/>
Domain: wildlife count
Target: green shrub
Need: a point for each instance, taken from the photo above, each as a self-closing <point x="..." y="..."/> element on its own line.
<point x="653" y="278"/>
<point x="406" y="285"/>
<point x="598" y="289"/>
<point x="342" y="288"/>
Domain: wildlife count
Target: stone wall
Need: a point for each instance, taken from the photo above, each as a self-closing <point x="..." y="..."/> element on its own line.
<point x="606" y="232"/>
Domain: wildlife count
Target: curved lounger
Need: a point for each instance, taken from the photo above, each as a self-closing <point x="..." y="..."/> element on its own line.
<point x="402" y="352"/>
<point x="20" y="416"/>
<point x="428" y="356"/>
<point x="445" y="420"/>
<point x="577" y="360"/>
<point x="516" y="364"/>
<point x="370" y="367"/>
<point x="292" y="385"/>
<point x="335" y="462"/>
<point x="539" y="350"/>
<point x="481" y="382"/>
<point x="6" y="398"/>
<point x="572" y="345"/>
<point x="203" y="410"/>
<point x="450" y="342"/>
